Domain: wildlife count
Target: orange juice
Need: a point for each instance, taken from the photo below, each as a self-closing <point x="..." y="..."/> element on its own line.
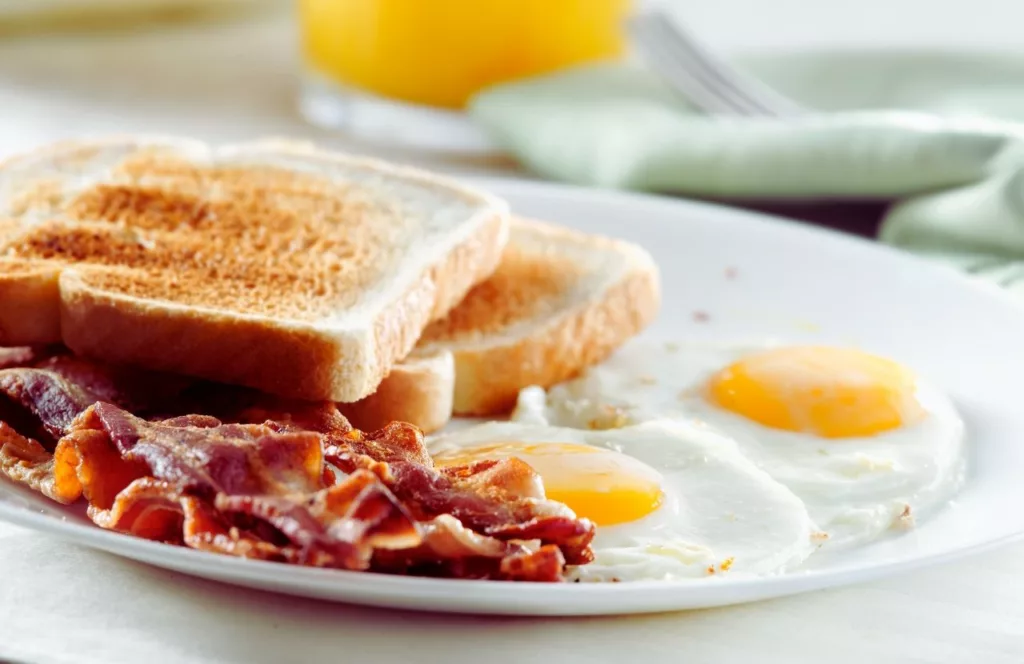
<point x="439" y="52"/>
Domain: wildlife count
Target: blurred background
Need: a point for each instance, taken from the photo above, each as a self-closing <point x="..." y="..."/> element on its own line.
<point x="393" y="78"/>
<point x="227" y="69"/>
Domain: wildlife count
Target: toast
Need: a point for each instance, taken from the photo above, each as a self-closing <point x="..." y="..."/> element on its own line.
<point x="560" y="301"/>
<point x="418" y="390"/>
<point x="299" y="273"/>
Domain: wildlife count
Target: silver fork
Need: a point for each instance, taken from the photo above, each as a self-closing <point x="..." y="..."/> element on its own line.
<point x="706" y="81"/>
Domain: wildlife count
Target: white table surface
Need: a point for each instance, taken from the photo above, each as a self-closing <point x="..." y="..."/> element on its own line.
<point x="62" y="603"/>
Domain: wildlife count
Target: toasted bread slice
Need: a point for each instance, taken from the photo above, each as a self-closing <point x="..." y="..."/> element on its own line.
<point x="560" y="301"/>
<point x="418" y="390"/>
<point x="300" y="273"/>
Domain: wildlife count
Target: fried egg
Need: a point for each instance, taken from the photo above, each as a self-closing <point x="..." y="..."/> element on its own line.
<point x="866" y="444"/>
<point x="671" y="500"/>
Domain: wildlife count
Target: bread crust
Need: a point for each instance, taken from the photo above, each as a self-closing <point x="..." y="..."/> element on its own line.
<point x="23" y="320"/>
<point x="418" y="391"/>
<point x="488" y="380"/>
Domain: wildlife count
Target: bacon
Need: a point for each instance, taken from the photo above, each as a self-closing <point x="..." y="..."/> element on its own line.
<point x="48" y="404"/>
<point x="87" y="464"/>
<point x="41" y="394"/>
<point x="27" y="462"/>
<point x="572" y="535"/>
<point x="395" y="444"/>
<point x="259" y="472"/>
<point x="22" y="356"/>
<point x="132" y="389"/>
<point x="231" y="471"/>
<point x="146" y="507"/>
<point x="545" y="564"/>
<point x="340" y="526"/>
<point x="285" y="414"/>
<point x="208" y="458"/>
<point x="44" y="390"/>
<point x="205" y="529"/>
<point x="450" y="549"/>
<point x="503" y="499"/>
<point x="158" y="510"/>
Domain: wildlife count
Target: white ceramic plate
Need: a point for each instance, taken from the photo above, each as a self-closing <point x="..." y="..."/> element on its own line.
<point x="791" y="282"/>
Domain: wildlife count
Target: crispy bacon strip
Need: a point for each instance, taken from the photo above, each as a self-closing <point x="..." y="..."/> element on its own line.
<point x="340" y="526"/>
<point x="27" y="462"/>
<point x="158" y="510"/>
<point x="208" y="458"/>
<point x="450" y="549"/>
<point x="86" y="463"/>
<point x="48" y="403"/>
<point x="205" y="529"/>
<point x="46" y="389"/>
<point x="146" y="507"/>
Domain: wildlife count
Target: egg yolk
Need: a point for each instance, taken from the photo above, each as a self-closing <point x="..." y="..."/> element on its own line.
<point x="829" y="392"/>
<point x="598" y="484"/>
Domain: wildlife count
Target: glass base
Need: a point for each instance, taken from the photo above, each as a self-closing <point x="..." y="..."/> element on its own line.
<point x="395" y="124"/>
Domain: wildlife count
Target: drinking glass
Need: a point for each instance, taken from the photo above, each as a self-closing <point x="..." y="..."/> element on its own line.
<point x="402" y="71"/>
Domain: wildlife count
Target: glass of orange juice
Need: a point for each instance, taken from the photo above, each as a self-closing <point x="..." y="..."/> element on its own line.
<point x="402" y="70"/>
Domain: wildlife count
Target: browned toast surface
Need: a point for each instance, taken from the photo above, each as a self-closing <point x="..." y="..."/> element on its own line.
<point x="262" y="241"/>
<point x="527" y="284"/>
<point x="303" y="274"/>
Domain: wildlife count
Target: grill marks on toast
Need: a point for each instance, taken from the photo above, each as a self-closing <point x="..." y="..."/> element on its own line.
<point x="254" y="240"/>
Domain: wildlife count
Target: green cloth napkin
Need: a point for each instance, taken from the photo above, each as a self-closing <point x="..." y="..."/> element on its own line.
<point x="951" y="158"/>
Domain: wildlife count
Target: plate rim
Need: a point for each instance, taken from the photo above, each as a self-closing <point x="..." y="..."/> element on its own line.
<point x="79" y="532"/>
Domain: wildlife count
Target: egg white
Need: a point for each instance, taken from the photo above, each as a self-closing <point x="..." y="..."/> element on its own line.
<point x="855" y="489"/>
<point x="720" y="513"/>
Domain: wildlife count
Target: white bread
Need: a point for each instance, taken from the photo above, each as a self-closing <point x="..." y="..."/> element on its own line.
<point x="296" y="272"/>
<point x="560" y="301"/>
<point x="418" y="390"/>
